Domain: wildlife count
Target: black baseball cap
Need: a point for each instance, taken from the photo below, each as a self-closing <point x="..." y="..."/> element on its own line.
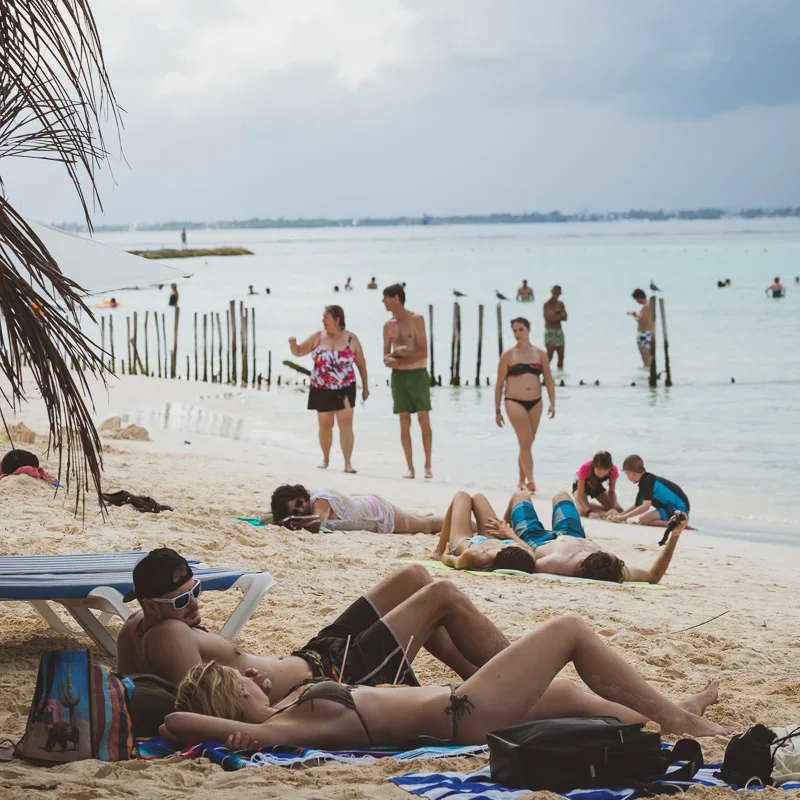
<point x="158" y="573"/>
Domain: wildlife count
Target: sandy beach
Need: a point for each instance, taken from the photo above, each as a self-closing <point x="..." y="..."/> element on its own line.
<point x="753" y="647"/>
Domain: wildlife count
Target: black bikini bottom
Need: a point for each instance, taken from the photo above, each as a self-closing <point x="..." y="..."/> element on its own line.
<point x="526" y="404"/>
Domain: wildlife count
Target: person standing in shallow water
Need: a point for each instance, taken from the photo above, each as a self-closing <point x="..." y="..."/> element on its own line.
<point x="405" y="351"/>
<point x="337" y="354"/>
<point x="642" y="317"/>
<point x="173" y="294"/>
<point x="521" y="370"/>
<point x="555" y="312"/>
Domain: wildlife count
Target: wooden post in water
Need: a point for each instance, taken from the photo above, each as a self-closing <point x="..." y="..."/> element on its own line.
<point x="188" y="363"/>
<point x="174" y="371"/>
<point x="128" y="327"/>
<point x="195" y="345"/>
<point x="453" y="348"/>
<point x="430" y="338"/>
<point x="233" y="341"/>
<point x="653" y="371"/>
<point x="458" y="345"/>
<point x="243" y="333"/>
<point x="253" y="327"/>
<point x="219" y="345"/>
<point x="134" y="368"/>
<point x="480" y="346"/>
<point x="146" y="345"/>
<point x="668" y="380"/>
<point x="111" y="341"/>
<point x="499" y="329"/>
<point x="103" y="341"/>
<point x="164" y="340"/>
<point x="205" y="347"/>
<point x="158" y="342"/>
<point x="269" y="368"/>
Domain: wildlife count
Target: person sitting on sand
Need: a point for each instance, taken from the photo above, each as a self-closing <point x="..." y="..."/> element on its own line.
<point x="218" y="703"/>
<point x="590" y="485"/>
<point x="657" y="499"/>
<point x="564" y="550"/>
<point x="297" y="508"/>
<point x="459" y="547"/>
<point x="776" y="289"/>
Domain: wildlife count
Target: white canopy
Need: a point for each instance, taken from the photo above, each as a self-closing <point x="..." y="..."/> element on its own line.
<point x="100" y="269"/>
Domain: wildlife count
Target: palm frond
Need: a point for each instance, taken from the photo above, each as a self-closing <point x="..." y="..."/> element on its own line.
<point x="55" y="98"/>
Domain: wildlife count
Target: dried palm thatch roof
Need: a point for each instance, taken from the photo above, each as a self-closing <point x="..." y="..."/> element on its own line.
<point x="55" y="97"/>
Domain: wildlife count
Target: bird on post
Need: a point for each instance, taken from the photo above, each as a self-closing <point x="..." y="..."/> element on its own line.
<point x="458" y="294"/>
<point x="653" y="287"/>
<point x="500" y="295"/>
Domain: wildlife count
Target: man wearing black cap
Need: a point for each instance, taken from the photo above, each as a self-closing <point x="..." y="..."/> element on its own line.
<point x="374" y="641"/>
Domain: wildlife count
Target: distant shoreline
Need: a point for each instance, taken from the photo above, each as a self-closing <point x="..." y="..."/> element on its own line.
<point x="525" y="218"/>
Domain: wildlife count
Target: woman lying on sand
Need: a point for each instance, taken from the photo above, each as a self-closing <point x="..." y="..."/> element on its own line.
<point x="236" y="709"/>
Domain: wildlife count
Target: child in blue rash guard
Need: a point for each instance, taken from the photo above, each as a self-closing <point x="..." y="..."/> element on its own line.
<point x="657" y="499"/>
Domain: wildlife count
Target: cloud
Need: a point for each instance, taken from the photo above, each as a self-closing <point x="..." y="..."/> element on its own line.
<point x="370" y="107"/>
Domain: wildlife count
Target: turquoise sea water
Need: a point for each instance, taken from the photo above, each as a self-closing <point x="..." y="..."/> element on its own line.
<point x="732" y="446"/>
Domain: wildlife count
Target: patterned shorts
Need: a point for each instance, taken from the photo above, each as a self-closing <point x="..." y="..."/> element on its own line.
<point x="554" y="337"/>
<point x="643" y="339"/>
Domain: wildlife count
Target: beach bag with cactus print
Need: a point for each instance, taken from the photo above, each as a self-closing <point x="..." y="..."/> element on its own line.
<point x="78" y="711"/>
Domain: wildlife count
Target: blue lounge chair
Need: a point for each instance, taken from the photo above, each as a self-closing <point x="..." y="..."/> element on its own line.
<point x="98" y="582"/>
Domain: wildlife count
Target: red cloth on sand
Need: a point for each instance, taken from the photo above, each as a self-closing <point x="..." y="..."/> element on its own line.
<point x="33" y="472"/>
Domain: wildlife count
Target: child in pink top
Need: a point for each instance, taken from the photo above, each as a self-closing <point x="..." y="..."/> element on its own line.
<point x="590" y="484"/>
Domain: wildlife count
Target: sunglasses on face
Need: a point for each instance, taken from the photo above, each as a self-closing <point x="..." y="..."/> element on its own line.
<point x="182" y="600"/>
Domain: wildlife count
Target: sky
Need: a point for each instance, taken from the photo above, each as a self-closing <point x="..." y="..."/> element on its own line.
<point x="355" y="108"/>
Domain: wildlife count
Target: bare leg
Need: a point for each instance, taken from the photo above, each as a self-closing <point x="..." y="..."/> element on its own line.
<point x="653" y="518"/>
<point x="325" y="419"/>
<point x="405" y="440"/>
<point x="518" y="677"/>
<point x="582" y="504"/>
<point x="482" y="509"/>
<point x="344" y="420"/>
<point x="443" y="604"/>
<point x="399" y="587"/>
<point x="645" y="353"/>
<point x="550" y="350"/>
<point x="606" y="503"/>
<point x="412" y="523"/>
<point x="424" y="419"/>
<point x="560" y="351"/>
<point x="518" y="417"/>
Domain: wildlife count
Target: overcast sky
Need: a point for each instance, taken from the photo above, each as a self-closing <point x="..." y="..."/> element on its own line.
<point x="339" y="108"/>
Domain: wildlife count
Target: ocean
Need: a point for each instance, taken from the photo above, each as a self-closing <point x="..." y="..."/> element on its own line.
<point x="726" y="431"/>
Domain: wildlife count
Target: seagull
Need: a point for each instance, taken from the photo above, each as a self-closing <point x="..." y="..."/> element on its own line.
<point x="500" y="295"/>
<point x="458" y="294"/>
<point x="653" y="287"/>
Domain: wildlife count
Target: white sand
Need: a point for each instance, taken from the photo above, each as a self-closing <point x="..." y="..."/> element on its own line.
<point x="754" y="648"/>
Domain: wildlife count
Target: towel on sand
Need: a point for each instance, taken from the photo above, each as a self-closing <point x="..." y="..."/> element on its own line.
<point x="34" y="472"/>
<point x="288" y="756"/>
<point x="479" y="786"/>
<point x="542" y="575"/>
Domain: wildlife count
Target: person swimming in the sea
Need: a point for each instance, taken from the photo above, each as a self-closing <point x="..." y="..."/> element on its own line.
<point x="776" y="289"/>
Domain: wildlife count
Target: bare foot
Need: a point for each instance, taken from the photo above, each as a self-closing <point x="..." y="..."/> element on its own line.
<point x="698" y="703"/>
<point x="323" y="465"/>
<point x="349" y="469"/>
<point x="428" y="473"/>
<point x="530" y="486"/>
<point x="684" y="722"/>
<point x="410" y="475"/>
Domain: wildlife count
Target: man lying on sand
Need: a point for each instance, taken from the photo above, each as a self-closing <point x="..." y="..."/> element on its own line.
<point x="525" y="545"/>
<point x="241" y="710"/>
<point x="382" y="632"/>
<point x="297" y="507"/>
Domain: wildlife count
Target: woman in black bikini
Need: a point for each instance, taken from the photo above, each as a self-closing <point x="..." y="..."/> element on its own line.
<point x="521" y="370"/>
<point x="236" y="709"/>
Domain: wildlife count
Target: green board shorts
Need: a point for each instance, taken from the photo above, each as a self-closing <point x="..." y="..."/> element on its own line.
<point x="554" y="337"/>
<point x="411" y="390"/>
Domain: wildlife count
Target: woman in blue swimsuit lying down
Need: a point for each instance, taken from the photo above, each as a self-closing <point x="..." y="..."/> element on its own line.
<point x="521" y="369"/>
<point x="487" y="550"/>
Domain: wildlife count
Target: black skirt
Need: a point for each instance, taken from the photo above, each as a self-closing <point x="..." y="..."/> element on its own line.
<point x="331" y="399"/>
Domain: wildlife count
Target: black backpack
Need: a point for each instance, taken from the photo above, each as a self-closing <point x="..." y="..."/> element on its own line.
<point x="752" y="755"/>
<point x="587" y="753"/>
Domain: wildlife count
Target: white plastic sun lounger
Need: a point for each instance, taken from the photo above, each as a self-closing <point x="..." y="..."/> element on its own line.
<point x="92" y="585"/>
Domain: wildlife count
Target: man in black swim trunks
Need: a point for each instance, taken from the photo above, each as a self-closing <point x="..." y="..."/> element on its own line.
<point x="386" y="628"/>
